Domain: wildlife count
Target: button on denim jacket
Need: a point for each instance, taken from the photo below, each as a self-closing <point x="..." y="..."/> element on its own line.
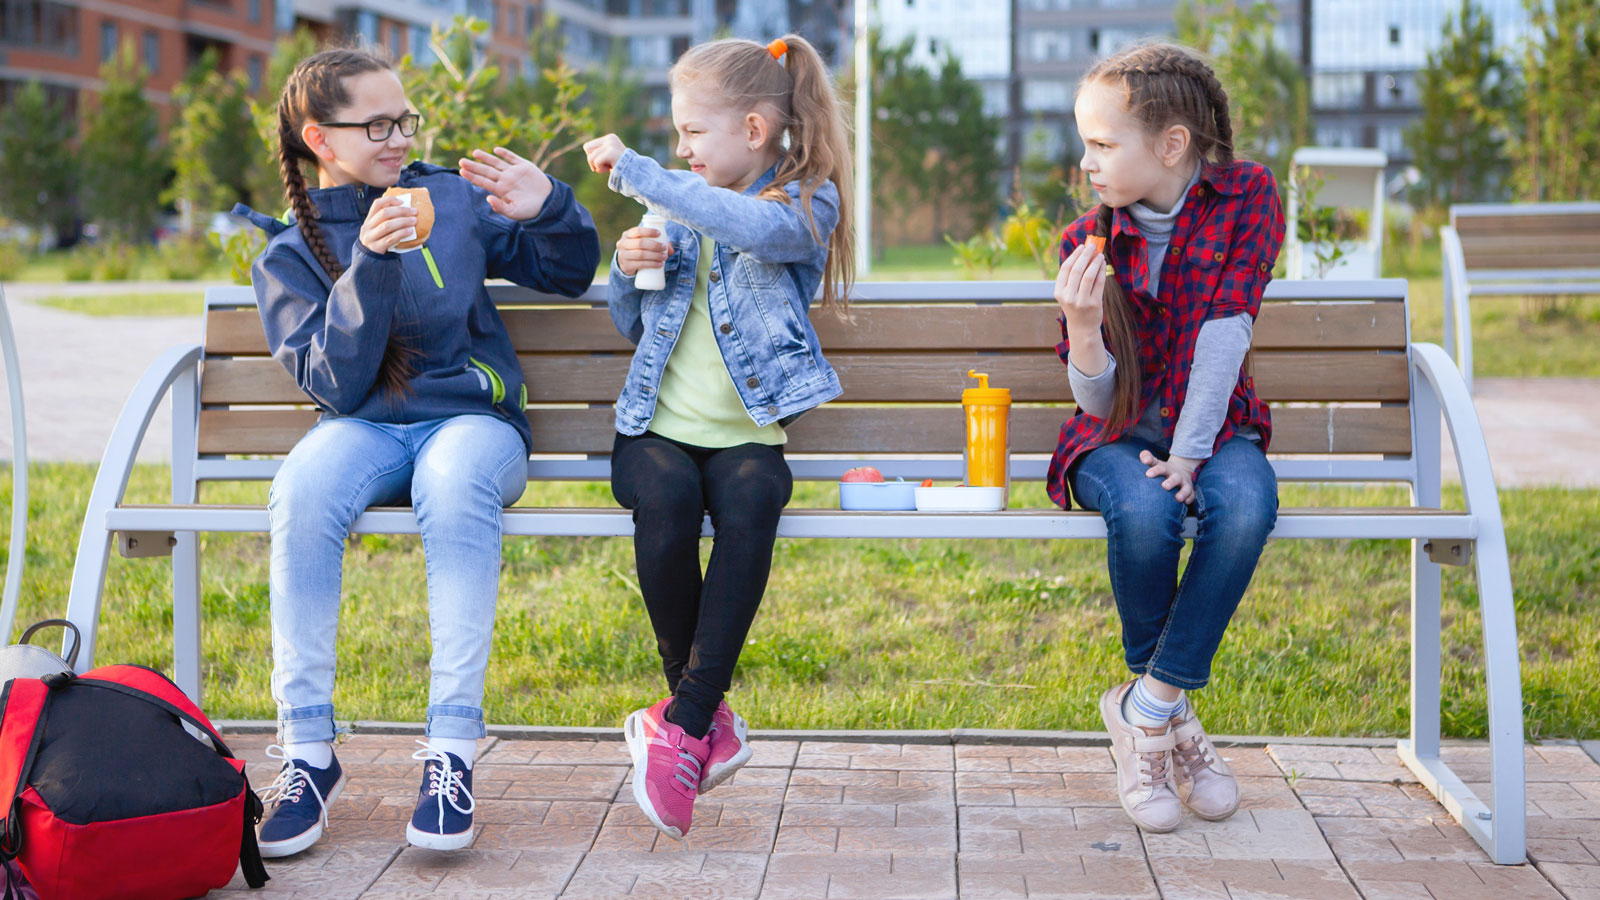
<point x="768" y="266"/>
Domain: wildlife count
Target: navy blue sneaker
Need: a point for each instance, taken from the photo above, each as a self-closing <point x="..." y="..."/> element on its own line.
<point x="299" y="802"/>
<point x="443" y="817"/>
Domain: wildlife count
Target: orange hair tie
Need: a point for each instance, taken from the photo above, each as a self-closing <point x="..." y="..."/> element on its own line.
<point x="778" y="48"/>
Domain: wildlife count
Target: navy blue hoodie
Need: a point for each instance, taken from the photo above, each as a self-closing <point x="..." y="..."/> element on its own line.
<point x="331" y="335"/>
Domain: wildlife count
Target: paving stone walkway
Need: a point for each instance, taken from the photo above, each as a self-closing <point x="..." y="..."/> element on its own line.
<point x="810" y="820"/>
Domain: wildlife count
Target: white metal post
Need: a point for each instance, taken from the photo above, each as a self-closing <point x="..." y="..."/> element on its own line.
<point x="1426" y="578"/>
<point x="186" y="654"/>
<point x="19" y="476"/>
<point x="863" y="138"/>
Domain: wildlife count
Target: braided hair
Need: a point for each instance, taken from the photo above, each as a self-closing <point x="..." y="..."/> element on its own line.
<point x="315" y="91"/>
<point x="1165" y="85"/>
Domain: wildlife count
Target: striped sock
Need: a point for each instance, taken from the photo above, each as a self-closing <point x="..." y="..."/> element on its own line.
<point x="1143" y="708"/>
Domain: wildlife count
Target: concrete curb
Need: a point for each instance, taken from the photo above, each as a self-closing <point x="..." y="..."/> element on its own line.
<point x="974" y="736"/>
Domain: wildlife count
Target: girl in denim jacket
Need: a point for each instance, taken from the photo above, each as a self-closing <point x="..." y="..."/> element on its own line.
<point x="726" y="359"/>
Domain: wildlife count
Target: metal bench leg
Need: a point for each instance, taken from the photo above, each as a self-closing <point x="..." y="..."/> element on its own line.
<point x="1501" y="832"/>
<point x="110" y="483"/>
<point x="186" y="653"/>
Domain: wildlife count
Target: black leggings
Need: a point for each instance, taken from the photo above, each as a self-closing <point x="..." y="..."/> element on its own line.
<point x="700" y="622"/>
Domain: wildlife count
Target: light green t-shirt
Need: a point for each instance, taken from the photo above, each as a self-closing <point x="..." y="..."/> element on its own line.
<point x="697" y="403"/>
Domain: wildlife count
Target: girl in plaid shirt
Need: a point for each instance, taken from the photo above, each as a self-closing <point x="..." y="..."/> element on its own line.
<point x="1159" y="288"/>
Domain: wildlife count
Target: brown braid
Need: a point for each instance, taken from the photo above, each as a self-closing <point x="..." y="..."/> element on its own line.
<point x="1124" y="339"/>
<point x="1165" y="85"/>
<point x="314" y="92"/>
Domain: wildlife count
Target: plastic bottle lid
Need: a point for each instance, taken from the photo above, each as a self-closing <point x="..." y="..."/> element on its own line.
<point x="983" y="393"/>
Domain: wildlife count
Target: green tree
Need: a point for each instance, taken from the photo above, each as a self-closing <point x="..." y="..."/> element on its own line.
<point x="1555" y="158"/>
<point x="211" y="142"/>
<point x="964" y="168"/>
<point x="463" y="102"/>
<point x="1267" y="97"/>
<point x="619" y="105"/>
<point x="38" y="165"/>
<point x="124" y="162"/>
<point x="932" y="145"/>
<point x="1470" y="94"/>
<point x="264" y="184"/>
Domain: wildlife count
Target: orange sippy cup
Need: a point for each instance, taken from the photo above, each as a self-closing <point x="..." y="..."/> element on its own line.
<point x="988" y="449"/>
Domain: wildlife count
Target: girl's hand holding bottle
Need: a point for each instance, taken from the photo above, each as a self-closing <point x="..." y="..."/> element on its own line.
<point x="517" y="188"/>
<point x="641" y="248"/>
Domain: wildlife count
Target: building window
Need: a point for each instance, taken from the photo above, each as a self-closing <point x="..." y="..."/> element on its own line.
<point x="108" y="40"/>
<point x="1094" y="40"/>
<point x="1394" y="34"/>
<point x="253" y="68"/>
<point x="255" y="10"/>
<point x="152" y="52"/>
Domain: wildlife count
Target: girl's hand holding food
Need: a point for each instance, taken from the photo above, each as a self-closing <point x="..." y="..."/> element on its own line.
<point x="388" y="223"/>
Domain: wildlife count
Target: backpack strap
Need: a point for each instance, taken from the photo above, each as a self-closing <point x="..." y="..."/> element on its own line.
<point x="153" y="687"/>
<point x="22" y="712"/>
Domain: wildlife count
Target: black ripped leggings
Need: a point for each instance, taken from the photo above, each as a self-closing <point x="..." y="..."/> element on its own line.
<point x="700" y="621"/>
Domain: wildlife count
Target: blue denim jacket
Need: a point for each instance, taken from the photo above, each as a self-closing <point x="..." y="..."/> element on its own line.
<point x="767" y="268"/>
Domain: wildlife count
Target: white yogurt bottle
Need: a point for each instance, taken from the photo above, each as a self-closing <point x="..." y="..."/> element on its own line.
<point x="652" y="279"/>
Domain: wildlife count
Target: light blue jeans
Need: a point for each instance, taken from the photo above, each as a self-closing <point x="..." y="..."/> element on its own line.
<point x="458" y="473"/>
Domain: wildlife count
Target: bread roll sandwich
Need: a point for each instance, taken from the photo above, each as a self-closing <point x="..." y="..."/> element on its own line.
<point x="416" y="198"/>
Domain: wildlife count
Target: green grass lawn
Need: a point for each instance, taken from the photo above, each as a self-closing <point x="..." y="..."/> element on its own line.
<point x="878" y="634"/>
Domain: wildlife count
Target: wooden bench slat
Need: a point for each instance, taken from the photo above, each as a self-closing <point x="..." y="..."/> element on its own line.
<point x="882" y="377"/>
<point x="846" y="429"/>
<point x="1577" y="259"/>
<point x="1510" y="223"/>
<point x="1282" y="326"/>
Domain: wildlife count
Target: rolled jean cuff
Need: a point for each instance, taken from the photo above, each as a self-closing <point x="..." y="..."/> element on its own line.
<point x="306" y="725"/>
<point x="464" y="722"/>
<point x="1166" y="677"/>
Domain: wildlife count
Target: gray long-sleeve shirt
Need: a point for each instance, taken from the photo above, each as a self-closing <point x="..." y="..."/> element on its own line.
<point x="1219" y="352"/>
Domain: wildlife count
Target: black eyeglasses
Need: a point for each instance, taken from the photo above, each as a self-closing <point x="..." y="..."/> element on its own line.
<point x="380" y="128"/>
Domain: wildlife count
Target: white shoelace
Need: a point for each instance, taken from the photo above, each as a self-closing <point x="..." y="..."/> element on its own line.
<point x="693" y="770"/>
<point x="445" y="781"/>
<point x="291" y="784"/>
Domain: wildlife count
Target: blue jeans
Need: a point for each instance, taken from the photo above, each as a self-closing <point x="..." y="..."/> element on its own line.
<point x="1171" y="629"/>
<point x="458" y="473"/>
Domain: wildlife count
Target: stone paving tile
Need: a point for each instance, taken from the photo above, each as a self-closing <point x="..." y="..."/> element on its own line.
<point x="991" y="876"/>
<point x="900" y="757"/>
<point x="1249" y="834"/>
<point x="698" y="875"/>
<point x="861" y="874"/>
<point x="1341" y="763"/>
<point x="1205" y="878"/>
<point x="1454" y="880"/>
<point x="869" y="787"/>
<point x="557" y="753"/>
<point x="1036" y="789"/>
<point x="824" y="820"/>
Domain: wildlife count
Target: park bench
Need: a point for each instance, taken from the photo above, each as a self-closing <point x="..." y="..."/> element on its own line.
<point x="1353" y="401"/>
<point x="1514" y="250"/>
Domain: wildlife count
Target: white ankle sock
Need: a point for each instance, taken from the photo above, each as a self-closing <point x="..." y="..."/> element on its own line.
<point x="1143" y="708"/>
<point x="317" y="754"/>
<point x="463" y="748"/>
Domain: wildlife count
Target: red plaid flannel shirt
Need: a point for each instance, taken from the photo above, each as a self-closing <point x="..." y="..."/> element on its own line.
<point x="1224" y="245"/>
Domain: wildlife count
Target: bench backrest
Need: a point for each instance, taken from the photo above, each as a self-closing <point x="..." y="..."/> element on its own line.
<point x="1511" y="237"/>
<point x="1329" y="356"/>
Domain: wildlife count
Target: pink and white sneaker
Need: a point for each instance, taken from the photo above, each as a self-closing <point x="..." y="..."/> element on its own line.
<point x="730" y="748"/>
<point x="667" y="767"/>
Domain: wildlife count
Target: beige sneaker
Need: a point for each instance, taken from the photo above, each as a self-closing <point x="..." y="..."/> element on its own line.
<point x="1144" y="766"/>
<point x="1205" y="783"/>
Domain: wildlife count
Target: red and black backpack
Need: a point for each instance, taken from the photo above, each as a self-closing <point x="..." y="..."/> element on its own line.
<point x="107" y="795"/>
